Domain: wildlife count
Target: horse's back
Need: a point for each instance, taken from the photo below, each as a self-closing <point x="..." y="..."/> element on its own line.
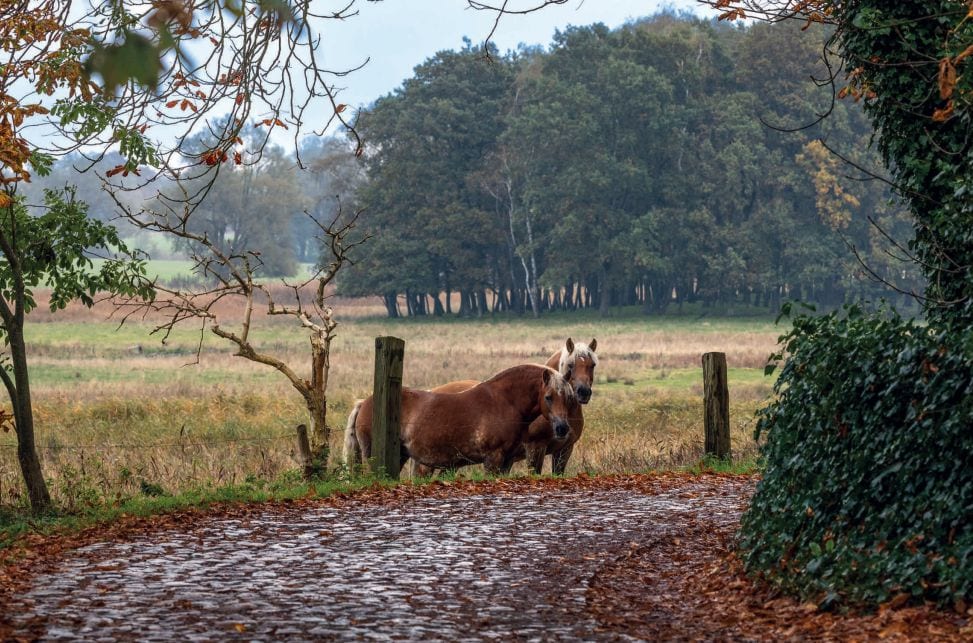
<point x="458" y="386"/>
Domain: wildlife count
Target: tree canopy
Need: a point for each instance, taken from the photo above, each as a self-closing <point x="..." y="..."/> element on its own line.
<point x="625" y="167"/>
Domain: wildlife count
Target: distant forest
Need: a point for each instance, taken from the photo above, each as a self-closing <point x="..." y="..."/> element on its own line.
<point x="669" y="161"/>
<point x="644" y="166"/>
<point x="261" y="204"/>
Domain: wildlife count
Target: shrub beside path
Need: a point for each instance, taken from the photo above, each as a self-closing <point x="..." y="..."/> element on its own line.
<point x="644" y="557"/>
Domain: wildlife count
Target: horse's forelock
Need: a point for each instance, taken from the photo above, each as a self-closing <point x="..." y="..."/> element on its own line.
<point x="582" y="351"/>
<point x="561" y="385"/>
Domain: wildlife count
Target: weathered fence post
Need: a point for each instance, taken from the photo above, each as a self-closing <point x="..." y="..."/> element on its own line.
<point x="387" y="407"/>
<point x="716" y="406"/>
<point x="304" y="447"/>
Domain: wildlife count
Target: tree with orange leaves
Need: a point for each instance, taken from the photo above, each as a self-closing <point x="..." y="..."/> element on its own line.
<point x="137" y="78"/>
<point x="34" y="42"/>
<point x="39" y="51"/>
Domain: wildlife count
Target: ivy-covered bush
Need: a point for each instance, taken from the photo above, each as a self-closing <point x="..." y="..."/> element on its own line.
<point x="868" y="490"/>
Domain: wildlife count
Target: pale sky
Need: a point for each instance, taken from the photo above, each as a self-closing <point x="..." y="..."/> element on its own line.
<point x="397" y="35"/>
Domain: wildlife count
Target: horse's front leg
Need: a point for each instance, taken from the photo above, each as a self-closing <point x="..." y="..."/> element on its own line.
<point x="495" y="461"/>
<point x="559" y="459"/>
<point x="508" y="464"/>
<point x="535" y="456"/>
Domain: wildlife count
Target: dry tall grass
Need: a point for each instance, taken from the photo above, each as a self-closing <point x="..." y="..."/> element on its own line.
<point x="117" y="413"/>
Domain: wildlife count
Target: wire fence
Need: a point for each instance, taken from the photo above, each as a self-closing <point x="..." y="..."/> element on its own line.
<point x="155" y="445"/>
<point x="79" y="472"/>
<point x="454" y="427"/>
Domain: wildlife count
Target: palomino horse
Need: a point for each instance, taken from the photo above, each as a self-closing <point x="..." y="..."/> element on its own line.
<point x="576" y="362"/>
<point x="484" y="424"/>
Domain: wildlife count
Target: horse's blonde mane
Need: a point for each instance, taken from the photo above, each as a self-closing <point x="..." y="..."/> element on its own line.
<point x="580" y="350"/>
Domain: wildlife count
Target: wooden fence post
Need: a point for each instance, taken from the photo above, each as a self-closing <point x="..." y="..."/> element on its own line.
<point x="387" y="407"/>
<point x="716" y="406"/>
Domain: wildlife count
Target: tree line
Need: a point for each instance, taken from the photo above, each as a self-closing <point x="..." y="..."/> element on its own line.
<point x="671" y="160"/>
<point x="260" y="204"/>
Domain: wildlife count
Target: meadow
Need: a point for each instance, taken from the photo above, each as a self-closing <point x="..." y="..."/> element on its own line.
<point x="179" y="269"/>
<point x="119" y="413"/>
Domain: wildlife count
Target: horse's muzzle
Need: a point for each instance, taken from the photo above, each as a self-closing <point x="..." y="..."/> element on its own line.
<point x="583" y="392"/>
<point x="561" y="428"/>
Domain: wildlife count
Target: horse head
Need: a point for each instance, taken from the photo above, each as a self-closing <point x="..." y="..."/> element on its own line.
<point x="577" y="365"/>
<point x="558" y="403"/>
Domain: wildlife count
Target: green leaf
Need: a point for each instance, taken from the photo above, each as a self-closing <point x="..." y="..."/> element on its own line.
<point x="41" y="162"/>
<point x="136" y="59"/>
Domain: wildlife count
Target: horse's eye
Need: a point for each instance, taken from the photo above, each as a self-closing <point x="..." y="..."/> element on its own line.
<point x="549" y="399"/>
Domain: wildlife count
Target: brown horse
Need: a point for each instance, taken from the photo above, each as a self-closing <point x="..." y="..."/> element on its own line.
<point x="484" y="424"/>
<point x="576" y="363"/>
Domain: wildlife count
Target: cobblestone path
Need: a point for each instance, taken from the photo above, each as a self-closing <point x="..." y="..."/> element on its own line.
<point x="513" y="565"/>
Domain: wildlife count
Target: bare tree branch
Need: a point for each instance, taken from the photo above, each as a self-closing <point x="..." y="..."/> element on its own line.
<point x="809" y="11"/>
<point x="503" y="9"/>
<point x="879" y="279"/>
<point x="232" y="277"/>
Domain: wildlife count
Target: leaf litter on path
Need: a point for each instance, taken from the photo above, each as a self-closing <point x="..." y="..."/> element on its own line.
<point x="644" y="557"/>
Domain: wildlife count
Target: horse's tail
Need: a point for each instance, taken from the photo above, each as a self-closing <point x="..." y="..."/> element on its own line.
<point x="352" y="448"/>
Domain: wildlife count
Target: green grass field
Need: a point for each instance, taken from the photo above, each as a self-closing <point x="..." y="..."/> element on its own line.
<point x="116" y="409"/>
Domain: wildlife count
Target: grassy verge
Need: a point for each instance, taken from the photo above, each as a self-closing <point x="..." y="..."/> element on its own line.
<point x="17" y="522"/>
<point x="106" y="447"/>
<point x="752" y="464"/>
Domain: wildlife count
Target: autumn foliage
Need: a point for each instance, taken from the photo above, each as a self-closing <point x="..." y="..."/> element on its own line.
<point x="35" y="46"/>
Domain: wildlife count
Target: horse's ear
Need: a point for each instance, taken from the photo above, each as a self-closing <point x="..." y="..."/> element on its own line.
<point x="593" y="345"/>
<point x="547" y="377"/>
<point x="569" y="345"/>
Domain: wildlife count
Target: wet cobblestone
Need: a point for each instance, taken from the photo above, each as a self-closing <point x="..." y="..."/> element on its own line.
<point x="466" y="568"/>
